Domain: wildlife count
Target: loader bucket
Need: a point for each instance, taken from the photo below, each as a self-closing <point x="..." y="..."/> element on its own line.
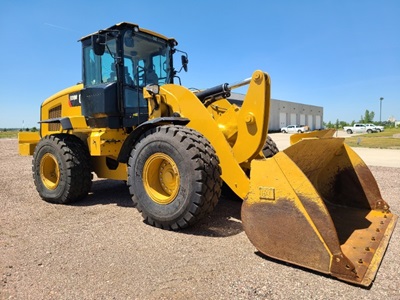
<point x="317" y="205"/>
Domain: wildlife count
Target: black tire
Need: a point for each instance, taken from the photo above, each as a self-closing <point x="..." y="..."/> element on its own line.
<point x="174" y="177"/>
<point x="369" y="131"/>
<point x="284" y="131"/>
<point x="61" y="169"/>
<point x="349" y="131"/>
<point x="270" y="148"/>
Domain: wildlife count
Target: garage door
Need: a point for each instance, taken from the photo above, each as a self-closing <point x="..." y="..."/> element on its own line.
<point x="302" y="119"/>
<point x="310" y="122"/>
<point x="293" y="119"/>
<point x="318" y="124"/>
<point x="282" y="120"/>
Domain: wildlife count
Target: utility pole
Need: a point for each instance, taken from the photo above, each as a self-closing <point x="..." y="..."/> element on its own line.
<point x="380" y="111"/>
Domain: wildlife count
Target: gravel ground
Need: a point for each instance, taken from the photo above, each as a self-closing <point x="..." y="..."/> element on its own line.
<point x="99" y="248"/>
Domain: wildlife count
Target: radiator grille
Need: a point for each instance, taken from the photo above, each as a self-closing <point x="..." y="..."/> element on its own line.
<point x="55" y="113"/>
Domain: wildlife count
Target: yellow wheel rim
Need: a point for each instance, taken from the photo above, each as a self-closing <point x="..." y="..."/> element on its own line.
<point x="49" y="171"/>
<point x="161" y="178"/>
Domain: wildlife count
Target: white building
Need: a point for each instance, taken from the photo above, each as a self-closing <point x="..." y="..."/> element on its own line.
<point x="283" y="113"/>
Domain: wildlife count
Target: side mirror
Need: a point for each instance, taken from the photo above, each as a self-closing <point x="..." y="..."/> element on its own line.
<point x="128" y="39"/>
<point x="185" y="62"/>
<point x="99" y="44"/>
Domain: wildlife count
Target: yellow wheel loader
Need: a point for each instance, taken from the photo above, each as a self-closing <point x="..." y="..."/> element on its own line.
<point x="315" y="204"/>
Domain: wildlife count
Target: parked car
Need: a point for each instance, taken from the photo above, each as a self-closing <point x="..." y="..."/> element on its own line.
<point x="359" y="128"/>
<point x="378" y="128"/>
<point x="294" y="129"/>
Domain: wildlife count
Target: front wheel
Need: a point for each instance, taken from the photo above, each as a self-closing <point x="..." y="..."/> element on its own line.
<point x="174" y="177"/>
<point x="61" y="168"/>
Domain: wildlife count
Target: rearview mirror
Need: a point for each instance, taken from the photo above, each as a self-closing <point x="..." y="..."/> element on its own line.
<point x="99" y="44"/>
<point x="185" y="62"/>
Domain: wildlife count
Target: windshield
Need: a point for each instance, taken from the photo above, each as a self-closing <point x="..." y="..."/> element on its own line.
<point x="146" y="59"/>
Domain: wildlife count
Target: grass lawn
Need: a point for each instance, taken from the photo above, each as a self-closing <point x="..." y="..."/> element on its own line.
<point x="388" y="139"/>
<point x="8" y="134"/>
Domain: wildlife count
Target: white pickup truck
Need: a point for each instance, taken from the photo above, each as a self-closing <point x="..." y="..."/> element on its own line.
<point x="294" y="129"/>
<point x="359" y="128"/>
<point x="378" y="128"/>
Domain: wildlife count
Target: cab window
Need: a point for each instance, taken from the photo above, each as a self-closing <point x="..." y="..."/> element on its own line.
<point x="99" y="69"/>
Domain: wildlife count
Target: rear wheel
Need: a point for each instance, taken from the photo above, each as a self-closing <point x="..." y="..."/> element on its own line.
<point x="174" y="177"/>
<point x="61" y="169"/>
<point x="349" y="131"/>
<point x="369" y="131"/>
<point x="270" y="148"/>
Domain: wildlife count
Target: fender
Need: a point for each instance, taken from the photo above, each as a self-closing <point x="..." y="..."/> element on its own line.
<point x="68" y="123"/>
<point x="65" y="122"/>
<point x="142" y="128"/>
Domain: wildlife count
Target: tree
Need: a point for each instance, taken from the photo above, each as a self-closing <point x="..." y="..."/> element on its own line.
<point x="337" y="124"/>
<point x="328" y="125"/>
<point x="368" y="117"/>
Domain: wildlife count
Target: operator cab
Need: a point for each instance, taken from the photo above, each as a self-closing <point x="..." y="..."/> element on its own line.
<point x="117" y="63"/>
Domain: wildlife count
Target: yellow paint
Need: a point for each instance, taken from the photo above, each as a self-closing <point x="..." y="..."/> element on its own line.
<point x="302" y="178"/>
<point x="250" y="136"/>
<point x="184" y="102"/>
<point x="379" y="253"/>
<point x="27" y="142"/>
<point x="49" y="171"/>
<point x="102" y="171"/>
<point x="227" y="122"/>
<point x="161" y="178"/>
<point x="61" y="100"/>
<point x="78" y="122"/>
<point x="327" y="133"/>
<point x="253" y="119"/>
<point x="278" y="183"/>
<point x="106" y="142"/>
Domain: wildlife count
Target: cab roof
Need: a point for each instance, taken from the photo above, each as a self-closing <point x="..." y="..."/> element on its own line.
<point x="127" y="25"/>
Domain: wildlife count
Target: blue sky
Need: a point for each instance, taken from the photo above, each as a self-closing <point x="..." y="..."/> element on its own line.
<point x="341" y="54"/>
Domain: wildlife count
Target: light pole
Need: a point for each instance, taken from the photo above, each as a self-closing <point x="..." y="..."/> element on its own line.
<point x="380" y="111"/>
